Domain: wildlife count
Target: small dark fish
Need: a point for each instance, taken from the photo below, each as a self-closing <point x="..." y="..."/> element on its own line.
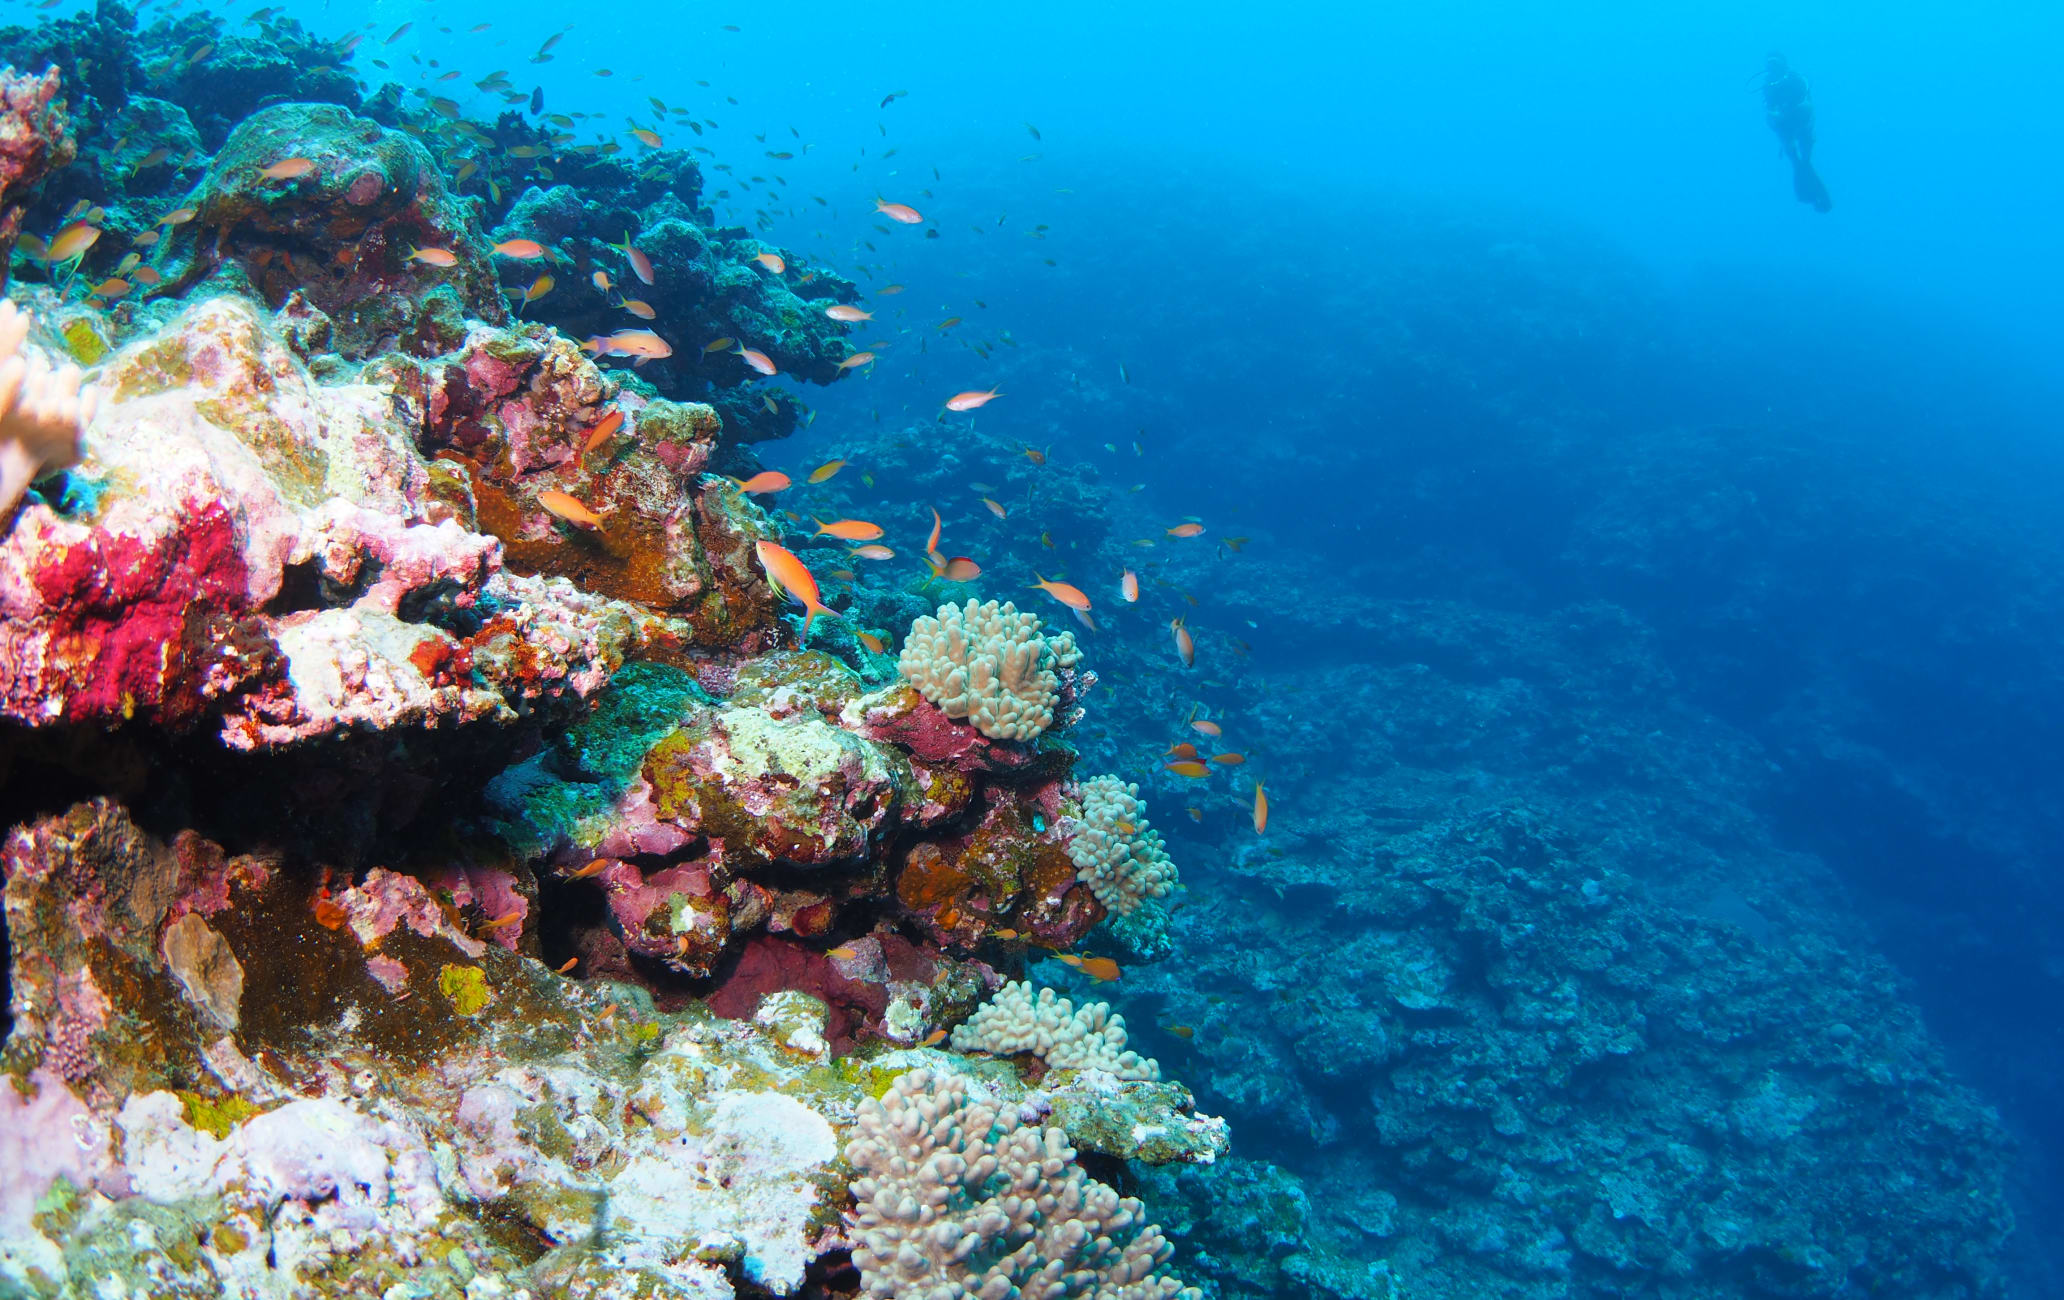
<point x="537" y="101"/>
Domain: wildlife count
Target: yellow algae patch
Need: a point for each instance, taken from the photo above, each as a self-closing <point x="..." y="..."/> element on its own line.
<point x="465" y="987"/>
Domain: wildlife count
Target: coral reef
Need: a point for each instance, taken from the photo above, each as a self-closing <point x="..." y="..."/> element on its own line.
<point x="990" y="665"/>
<point x="1016" y="1023"/>
<point x="1120" y="857"/>
<point x="960" y="1196"/>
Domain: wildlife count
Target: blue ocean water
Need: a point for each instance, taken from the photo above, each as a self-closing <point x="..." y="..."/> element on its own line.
<point x="1573" y="497"/>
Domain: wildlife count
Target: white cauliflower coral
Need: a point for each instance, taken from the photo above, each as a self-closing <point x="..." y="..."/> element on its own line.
<point x="43" y="410"/>
<point x="989" y="665"/>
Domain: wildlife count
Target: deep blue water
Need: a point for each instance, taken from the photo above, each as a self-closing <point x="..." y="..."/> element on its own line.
<point x="1505" y="305"/>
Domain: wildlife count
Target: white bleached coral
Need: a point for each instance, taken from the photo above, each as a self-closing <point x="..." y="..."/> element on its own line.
<point x="42" y="412"/>
<point x="959" y="1198"/>
<point x="1049" y="1027"/>
<point x="989" y="664"/>
<point x="1115" y="852"/>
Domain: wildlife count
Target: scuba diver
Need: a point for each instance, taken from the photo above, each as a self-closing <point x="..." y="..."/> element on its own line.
<point x="1788" y="107"/>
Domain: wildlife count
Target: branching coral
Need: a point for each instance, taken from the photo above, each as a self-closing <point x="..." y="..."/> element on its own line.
<point x="957" y="1199"/>
<point x="1049" y="1027"/>
<point x="989" y="664"/>
<point x="42" y="412"/>
<point x="1116" y="853"/>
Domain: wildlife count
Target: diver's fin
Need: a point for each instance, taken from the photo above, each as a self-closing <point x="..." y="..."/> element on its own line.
<point x="1807" y="185"/>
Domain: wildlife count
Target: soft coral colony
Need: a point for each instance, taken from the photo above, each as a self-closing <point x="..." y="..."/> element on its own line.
<point x="435" y="863"/>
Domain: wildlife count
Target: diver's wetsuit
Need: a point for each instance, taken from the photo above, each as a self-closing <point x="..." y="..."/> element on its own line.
<point x="1788" y="107"/>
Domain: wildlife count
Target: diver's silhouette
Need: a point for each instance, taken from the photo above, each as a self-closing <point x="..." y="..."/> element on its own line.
<point x="1788" y="107"/>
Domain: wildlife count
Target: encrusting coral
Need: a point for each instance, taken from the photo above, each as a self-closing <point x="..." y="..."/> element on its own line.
<point x="42" y="412"/>
<point x="1050" y="1027"/>
<point x="960" y="1198"/>
<point x="1117" y="854"/>
<point x="989" y="664"/>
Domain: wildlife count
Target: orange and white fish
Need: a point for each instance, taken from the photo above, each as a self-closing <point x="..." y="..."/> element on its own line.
<point x="643" y="344"/>
<point x="1189" y="767"/>
<point x="434" y="256"/>
<point x="872" y="642"/>
<point x="1072" y="597"/>
<point x="1186" y="530"/>
<point x="971" y="399"/>
<point x="287" y="169"/>
<point x="647" y="137"/>
<point x="569" y="508"/>
<point x="958" y="569"/>
<point x="791" y="577"/>
<point x="932" y="542"/>
<point x="601" y="280"/>
<point x="178" y="216"/>
<point x="1185" y="644"/>
<point x="1128" y="587"/>
<point x="757" y="359"/>
<point x="1228" y="759"/>
<point x="840" y="311"/>
<point x="996" y="508"/>
<point x="902" y="212"/>
<point x="874" y="551"/>
<point x="857" y="359"/>
<point x="523" y="250"/>
<point x="772" y="261"/>
<point x="767" y="480"/>
<point x="848" y="530"/>
<point x="1260" y="810"/>
<point x="826" y="470"/>
<point x="639" y="307"/>
<point x="1206" y="726"/>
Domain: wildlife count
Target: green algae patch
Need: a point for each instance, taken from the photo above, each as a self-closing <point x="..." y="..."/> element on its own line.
<point x="465" y="987"/>
<point x="215" y="1116"/>
<point x="84" y="341"/>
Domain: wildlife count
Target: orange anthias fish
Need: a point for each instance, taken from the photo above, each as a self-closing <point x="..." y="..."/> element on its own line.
<point x="601" y="280"/>
<point x="932" y="542"/>
<point x="971" y="399"/>
<point x="902" y="212"/>
<point x="958" y="569"/>
<point x="640" y="308"/>
<point x="857" y="359"/>
<point x="629" y="343"/>
<point x="1189" y="767"/>
<point x="1128" y="587"/>
<point x="1186" y="530"/>
<point x="1260" y="810"/>
<point x="287" y="169"/>
<point x="826" y="470"/>
<point x="1185" y="644"/>
<point x="1100" y="969"/>
<point x="872" y="642"/>
<point x="604" y="427"/>
<point x="996" y="508"/>
<point x="1228" y="759"/>
<point x="874" y="551"/>
<point x="523" y="250"/>
<point x="434" y="256"/>
<point x="772" y="261"/>
<point x="72" y="242"/>
<point x="758" y="360"/>
<point x="790" y="577"/>
<point x="767" y="480"/>
<point x="848" y="530"/>
<point x="1206" y="726"/>
<point x="569" y="508"/>
<point x="1182" y="750"/>
<point x="840" y="311"/>
<point x="1072" y="597"/>
<point x="641" y="265"/>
